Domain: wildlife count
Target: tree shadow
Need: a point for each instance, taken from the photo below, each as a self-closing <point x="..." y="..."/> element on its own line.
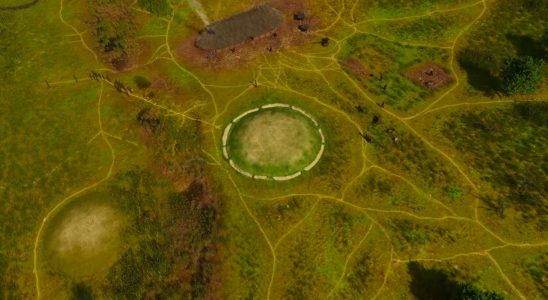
<point x="81" y="291"/>
<point x="479" y="76"/>
<point x="527" y="46"/>
<point x="431" y="284"/>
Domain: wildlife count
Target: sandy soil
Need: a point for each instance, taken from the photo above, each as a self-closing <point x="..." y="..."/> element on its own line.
<point x="275" y="138"/>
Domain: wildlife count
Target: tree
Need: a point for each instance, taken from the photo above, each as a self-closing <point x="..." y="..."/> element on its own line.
<point x="468" y="291"/>
<point x="521" y="75"/>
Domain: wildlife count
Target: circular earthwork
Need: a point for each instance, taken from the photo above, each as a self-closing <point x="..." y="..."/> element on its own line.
<point x="273" y="142"/>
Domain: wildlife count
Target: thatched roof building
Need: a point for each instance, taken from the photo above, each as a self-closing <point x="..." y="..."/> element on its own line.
<point x="239" y="28"/>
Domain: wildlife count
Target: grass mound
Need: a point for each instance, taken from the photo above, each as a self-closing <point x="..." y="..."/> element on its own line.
<point x="276" y="141"/>
<point x="84" y="239"/>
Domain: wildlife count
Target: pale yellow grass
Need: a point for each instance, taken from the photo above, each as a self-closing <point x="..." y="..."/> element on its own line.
<point x="87" y="240"/>
<point x="275" y="138"/>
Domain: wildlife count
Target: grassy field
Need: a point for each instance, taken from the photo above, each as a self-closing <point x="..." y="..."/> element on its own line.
<point x="276" y="141"/>
<point x="113" y="183"/>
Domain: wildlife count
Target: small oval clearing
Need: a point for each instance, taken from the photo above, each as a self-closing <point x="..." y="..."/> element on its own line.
<point x="84" y="240"/>
<point x="274" y="142"/>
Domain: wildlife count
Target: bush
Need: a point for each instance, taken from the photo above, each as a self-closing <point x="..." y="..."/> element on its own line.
<point x="434" y="283"/>
<point x="521" y="75"/>
<point x="157" y="7"/>
<point x="141" y="82"/>
<point x="454" y="192"/>
<point x="468" y="291"/>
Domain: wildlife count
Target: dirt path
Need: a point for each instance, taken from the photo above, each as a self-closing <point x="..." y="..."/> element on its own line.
<point x="277" y="82"/>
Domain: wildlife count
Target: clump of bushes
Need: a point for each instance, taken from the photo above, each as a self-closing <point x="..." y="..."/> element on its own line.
<point x="114" y="30"/>
<point x="434" y="283"/>
<point x="521" y="75"/>
<point x="157" y="7"/>
<point x="141" y="82"/>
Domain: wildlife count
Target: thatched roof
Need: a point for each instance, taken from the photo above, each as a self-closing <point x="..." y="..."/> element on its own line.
<point x="240" y="28"/>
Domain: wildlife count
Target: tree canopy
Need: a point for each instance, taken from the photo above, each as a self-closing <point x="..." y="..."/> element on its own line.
<point x="521" y="75"/>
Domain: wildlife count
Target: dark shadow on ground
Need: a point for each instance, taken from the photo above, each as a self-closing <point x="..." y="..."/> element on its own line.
<point x="479" y="75"/>
<point x="431" y="284"/>
<point x="527" y="46"/>
<point x="81" y="291"/>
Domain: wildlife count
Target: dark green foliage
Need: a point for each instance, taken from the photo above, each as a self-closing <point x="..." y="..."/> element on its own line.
<point x="507" y="146"/>
<point x="537" y="268"/>
<point x="528" y="46"/>
<point x="434" y="284"/>
<point x="508" y="28"/>
<point x="468" y="291"/>
<point x="81" y="291"/>
<point x="157" y="7"/>
<point x="175" y="255"/>
<point x="141" y="82"/>
<point x="521" y="75"/>
<point x="357" y="279"/>
<point x="411" y="235"/>
<point x="454" y="192"/>
<point x="125" y="277"/>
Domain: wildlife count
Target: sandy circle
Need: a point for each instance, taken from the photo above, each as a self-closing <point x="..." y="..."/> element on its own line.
<point x="84" y="240"/>
<point x="275" y="141"/>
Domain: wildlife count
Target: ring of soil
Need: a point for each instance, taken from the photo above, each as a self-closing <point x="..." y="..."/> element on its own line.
<point x="273" y="142"/>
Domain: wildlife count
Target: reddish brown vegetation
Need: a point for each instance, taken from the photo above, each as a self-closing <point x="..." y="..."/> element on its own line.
<point x="113" y="25"/>
<point x="192" y="219"/>
<point x="428" y="75"/>
<point x="357" y="68"/>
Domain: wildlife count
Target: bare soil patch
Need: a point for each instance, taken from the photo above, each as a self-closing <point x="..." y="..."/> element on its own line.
<point x="284" y="36"/>
<point x="428" y="75"/>
<point x="357" y="68"/>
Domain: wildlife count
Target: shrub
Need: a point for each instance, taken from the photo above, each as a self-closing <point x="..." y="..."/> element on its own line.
<point x="157" y="7"/>
<point x="521" y="75"/>
<point x="467" y="291"/>
<point x="141" y="82"/>
<point x="454" y="192"/>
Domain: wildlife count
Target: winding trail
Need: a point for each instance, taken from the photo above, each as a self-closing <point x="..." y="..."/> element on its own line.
<point x="74" y="195"/>
<point x="271" y="76"/>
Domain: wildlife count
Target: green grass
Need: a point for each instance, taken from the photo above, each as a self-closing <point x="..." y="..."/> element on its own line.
<point x="237" y="146"/>
<point x="512" y="145"/>
<point x="390" y="60"/>
<point x="457" y="199"/>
